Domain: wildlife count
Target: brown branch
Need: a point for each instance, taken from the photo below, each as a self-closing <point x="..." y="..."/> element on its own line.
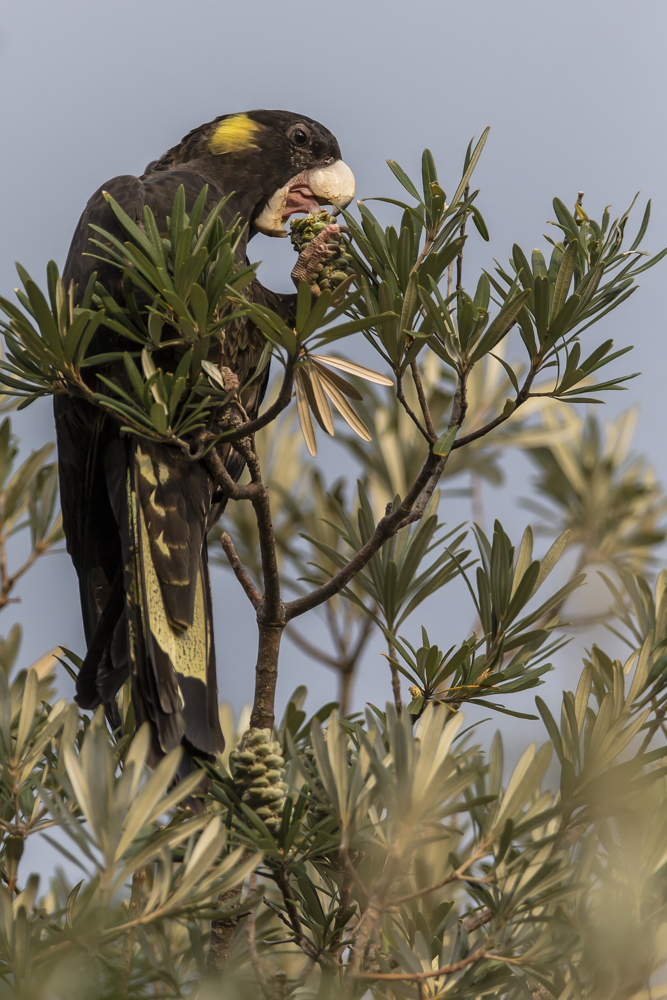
<point x="473" y="923"/>
<point x="523" y="395"/>
<point x="459" y="409"/>
<point x="418" y="512"/>
<point x="421" y="396"/>
<point x="271" y="619"/>
<point x="400" y="396"/>
<point x="344" y="691"/>
<point x="481" y="432"/>
<point x="266" y="674"/>
<point x="344" y="662"/>
<point x="416" y="977"/>
<point x="9" y="580"/>
<point x="386" y="527"/>
<point x="240" y="572"/>
<point x="271" y="605"/>
<point x="456" y="876"/>
<point x="347" y="673"/>
<point x="219" y="474"/>
<point x="222" y="930"/>
<point x="310" y="649"/>
<point x="300" y="939"/>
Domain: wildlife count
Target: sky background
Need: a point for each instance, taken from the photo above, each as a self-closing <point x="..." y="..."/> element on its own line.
<point x="574" y="94"/>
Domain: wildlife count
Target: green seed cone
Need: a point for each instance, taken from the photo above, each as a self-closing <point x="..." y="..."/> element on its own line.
<point x="303" y="231"/>
<point x="258" y="771"/>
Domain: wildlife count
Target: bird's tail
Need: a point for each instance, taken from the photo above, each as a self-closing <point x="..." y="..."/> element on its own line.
<point x="168" y="601"/>
<point x="157" y="622"/>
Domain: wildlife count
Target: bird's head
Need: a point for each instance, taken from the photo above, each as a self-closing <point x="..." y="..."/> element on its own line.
<point x="277" y="163"/>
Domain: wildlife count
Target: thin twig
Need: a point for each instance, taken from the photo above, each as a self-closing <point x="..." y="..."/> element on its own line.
<point x="230" y="489"/>
<point x="240" y="572"/>
<point x="418" y="511"/>
<point x="310" y="649"/>
<point x="271" y="604"/>
<point x="523" y="395"/>
<point x="416" y="977"/>
<point x="299" y="938"/>
<point x="473" y="923"/>
<point x="423" y="402"/>
<point x="456" y="876"/>
<point x="386" y="527"/>
<point x="400" y="396"/>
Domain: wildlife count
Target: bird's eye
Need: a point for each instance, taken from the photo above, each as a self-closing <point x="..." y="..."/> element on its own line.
<point x="299" y="137"/>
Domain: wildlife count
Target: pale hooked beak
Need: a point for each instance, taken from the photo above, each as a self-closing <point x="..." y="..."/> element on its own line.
<point x="332" y="185"/>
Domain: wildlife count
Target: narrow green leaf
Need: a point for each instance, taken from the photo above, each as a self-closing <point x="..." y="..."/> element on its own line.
<point x="443" y="445"/>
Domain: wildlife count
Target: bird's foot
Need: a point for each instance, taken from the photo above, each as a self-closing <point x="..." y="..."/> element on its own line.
<point x="312" y="259"/>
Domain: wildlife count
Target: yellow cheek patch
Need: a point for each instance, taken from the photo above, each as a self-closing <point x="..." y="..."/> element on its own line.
<point x="235" y="134"/>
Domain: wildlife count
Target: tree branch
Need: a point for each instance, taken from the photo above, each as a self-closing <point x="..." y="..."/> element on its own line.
<point x="310" y="649"/>
<point x="418" y="512"/>
<point x="293" y="919"/>
<point x="222" y="930"/>
<point x="400" y="396"/>
<point x="386" y="527"/>
<point x="216" y="469"/>
<point x="421" y="396"/>
<point x="271" y="618"/>
<point x="474" y="923"/>
<point x="523" y="395"/>
<point x="416" y="977"/>
<point x="240" y="572"/>
<point x="455" y="876"/>
<point x="271" y="603"/>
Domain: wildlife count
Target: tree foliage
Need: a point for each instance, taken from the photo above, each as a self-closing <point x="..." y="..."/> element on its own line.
<point x="393" y="852"/>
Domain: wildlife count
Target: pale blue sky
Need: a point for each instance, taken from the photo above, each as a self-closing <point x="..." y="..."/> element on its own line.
<point x="574" y="93"/>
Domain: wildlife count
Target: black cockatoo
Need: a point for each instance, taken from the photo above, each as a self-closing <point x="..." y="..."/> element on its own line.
<point x="136" y="513"/>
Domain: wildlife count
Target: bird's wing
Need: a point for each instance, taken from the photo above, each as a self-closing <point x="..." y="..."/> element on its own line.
<point x="84" y="436"/>
<point x="135" y="515"/>
<point x="83" y="256"/>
